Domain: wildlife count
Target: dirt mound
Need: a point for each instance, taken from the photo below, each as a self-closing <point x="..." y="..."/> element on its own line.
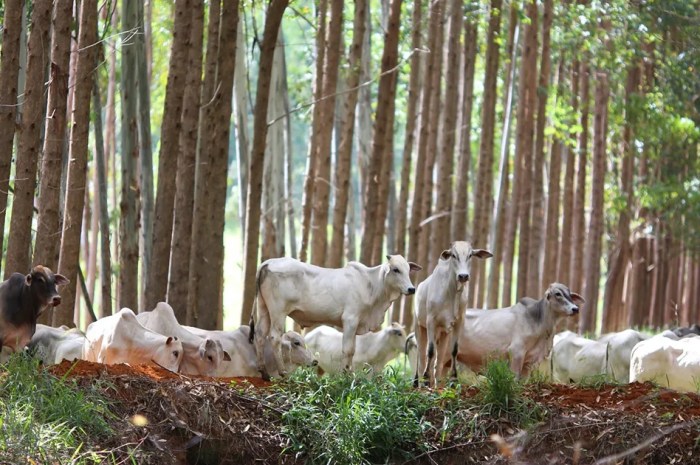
<point x="200" y="420"/>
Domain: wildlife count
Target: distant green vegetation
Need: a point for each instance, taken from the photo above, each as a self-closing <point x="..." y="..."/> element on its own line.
<point x="44" y="419"/>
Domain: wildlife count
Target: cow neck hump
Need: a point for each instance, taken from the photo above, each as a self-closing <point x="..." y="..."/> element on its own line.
<point x="20" y="302"/>
<point x="378" y="292"/>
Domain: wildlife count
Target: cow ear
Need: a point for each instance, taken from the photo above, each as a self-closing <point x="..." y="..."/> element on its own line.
<point x="396" y="332"/>
<point x="169" y="340"/>
<point x="388" y="257"/>
<point x="577" y="299"/>
<point x="446" y="254"/>
<point x="227" y="357"/>
<point x="481" y="253"/>
<point x="414" y="266"/>
<point x="60" y="280"/>
<point x="28" y="279"/>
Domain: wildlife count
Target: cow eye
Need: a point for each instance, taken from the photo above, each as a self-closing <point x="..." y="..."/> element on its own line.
<point x="297" y="343"/>
<point x="396" y="270"/>
<point x="176" y="353"/>
<point x="558" y="294"/>
<point x="211" y="359"/>
<point x="454" y="256"/>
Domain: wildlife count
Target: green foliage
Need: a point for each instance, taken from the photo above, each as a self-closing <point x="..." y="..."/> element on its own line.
<point x="351" y="419"/>
<point x="46" y="419"/>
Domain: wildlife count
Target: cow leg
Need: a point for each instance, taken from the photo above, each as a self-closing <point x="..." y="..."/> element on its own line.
<point x="443" y="354"/>
<point x="429" y="373"/>
<point x="349" y="332"/>
<point x="422" y="343"/>
<point x="262" y="331"/>
<point x="516" y="362"/>
<point x="275" y="338"/>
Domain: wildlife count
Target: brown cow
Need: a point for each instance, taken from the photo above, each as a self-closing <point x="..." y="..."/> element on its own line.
<point x="22" y="300"/>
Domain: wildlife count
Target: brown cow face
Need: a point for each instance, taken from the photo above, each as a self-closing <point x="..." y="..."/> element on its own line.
<point x="42" y="282"/>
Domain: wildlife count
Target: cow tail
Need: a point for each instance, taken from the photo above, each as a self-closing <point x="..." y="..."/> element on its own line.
<point x="259" y="278"/>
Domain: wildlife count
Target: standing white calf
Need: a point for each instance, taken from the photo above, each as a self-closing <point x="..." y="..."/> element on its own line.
<point x="440" y="304"/>
<point x="354" y="298"/>
<point x="373" y="349"/>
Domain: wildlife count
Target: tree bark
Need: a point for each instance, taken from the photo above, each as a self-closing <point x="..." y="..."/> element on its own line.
<point x="267" y="48"/>
<point x="537" y="200"/>
<point x="19" y="241"/>
<point x="207" y="256"/>
<point x="9" y="75"/>
<point x="129" y="203"/>
<point x="178" y="290"/>
<point x="77" y="167"/>
<point x="595" y="229"/>
<point x="639" y="289"/>
<point x="157" y="279"/>
<point x="240" y="89"/>
<point x="483" y="202"/>
<point x="344" y="156"/>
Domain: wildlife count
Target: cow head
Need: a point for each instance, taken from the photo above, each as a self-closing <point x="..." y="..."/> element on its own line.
<point x="562" y="300"/>
<point x="396" y="336"/>
<point x="211" y="354"/>
<point x="459" y="256"/>
<point x="397" y="276"/>
<point x="295" y="353"/>
<point x="42" y="283"/>
<point x="169" y="355"/>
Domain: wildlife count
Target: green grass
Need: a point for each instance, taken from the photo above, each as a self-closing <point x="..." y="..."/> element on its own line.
<point x="44" y="419"/>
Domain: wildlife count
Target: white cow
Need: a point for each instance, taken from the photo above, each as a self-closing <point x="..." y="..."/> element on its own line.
<point x="439" y="310"/>
<point x="668" y="362"/>
<point x="243" y="361"/>
<point x="354" y="298"/>
<point x="202" y="355"/>
<point x="52" y="345"/>
<point x="372" y="349"/>
<point x="522" y="332"/>
<point x="120" y="338"/>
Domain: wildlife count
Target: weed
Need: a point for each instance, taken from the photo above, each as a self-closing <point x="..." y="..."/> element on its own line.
<point x="597" y="381"/>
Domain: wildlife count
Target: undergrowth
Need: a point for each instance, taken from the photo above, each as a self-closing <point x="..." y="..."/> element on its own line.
<point x="44" y="419"/>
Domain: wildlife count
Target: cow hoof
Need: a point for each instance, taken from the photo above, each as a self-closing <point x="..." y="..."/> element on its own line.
<point x="283" y="374"/>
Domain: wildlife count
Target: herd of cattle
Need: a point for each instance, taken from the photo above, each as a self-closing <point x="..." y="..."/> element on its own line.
<point x="346" y="308"/>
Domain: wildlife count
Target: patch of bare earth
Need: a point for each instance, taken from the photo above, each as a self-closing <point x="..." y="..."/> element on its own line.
<point x="216" y="420"/>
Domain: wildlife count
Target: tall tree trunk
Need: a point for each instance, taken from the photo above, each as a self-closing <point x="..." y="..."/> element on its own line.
<point x="319" y="237"/>
<point x="313" y="154"/>
<point x="273" y="21"/>
<point x="377" y="193"/>
<point x="207" y="255"/>
<point x="613" y="302"/>
<point x="483" y="202"/>
<point x="19" y="241"/>
<point x="419" y="191"/>
<point x="579" y="219"/>
<point x="595" y="229"/>
<point x="105" y="309"/>
<point x="344" y="156"/>
<point x="157" y="279"/>
<point x="502" y="249"/>
<point x="129" y="202"/>
<point x="9" y="75"/>
<point x="364" y="129"/>
<point x="240" y="89"/>
<point x="440" y="239"/>
<point x="145" y="151"/>
<point x="639" y="289"/>
<point x="178" y="290"/>
<point x="68" y="263"/>
<point x="537" y="201"/>
<point x="526" y="123"/>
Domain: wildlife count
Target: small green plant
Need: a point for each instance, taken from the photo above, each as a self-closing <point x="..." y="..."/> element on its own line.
<point x="44" y="419"/>
<point x="597" y="381"/>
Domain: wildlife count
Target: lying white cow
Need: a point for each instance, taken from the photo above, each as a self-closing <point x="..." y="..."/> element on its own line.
<point x="668" y="362"/>
<point x="440" y="304"/>
<point x="243" y="361"/>
<point x="201" y="355"/>
<point x="354" y="298"/>
<point x="52" y="345"/>
<point x="120" y="338"/>
<point x="372" y="349"/>
<point x="523" y="332"/>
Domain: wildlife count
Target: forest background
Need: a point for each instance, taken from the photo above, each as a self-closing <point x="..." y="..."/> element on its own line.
<point x="161" y="150"/>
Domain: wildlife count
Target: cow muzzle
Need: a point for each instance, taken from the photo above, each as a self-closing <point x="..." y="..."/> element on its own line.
<point x="56" y="301"/>
<point x="574" y="311"/>
<point x="463" y="277"/>
<point x="410" y="291"/>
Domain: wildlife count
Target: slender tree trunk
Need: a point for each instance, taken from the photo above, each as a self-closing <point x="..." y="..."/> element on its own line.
<point x="441" y="233"/>
<point x="9" y="75"/>
<point x="289" y="197"/>
<point x="639" y="290"/>
<point x="207" y="255"/>
<point x="267" y="48"/>
<point x="483" y="203"/>
<point x="537" y="200"/>
<point x="377" y="193"/>
<point x="579" y="219"/>
<point x="364" y="129"/>
<point x="157" y="279"/>
<point x="595" y="229"/>
<point x="129" y="202"/>
<point x="240" y="83"/>
<point x="344" y="157"/>
<point x="19" y="241"/>
<point x="178" y="290"/>
<point x="313" y="154"/>
<point x="77" y="168"/>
